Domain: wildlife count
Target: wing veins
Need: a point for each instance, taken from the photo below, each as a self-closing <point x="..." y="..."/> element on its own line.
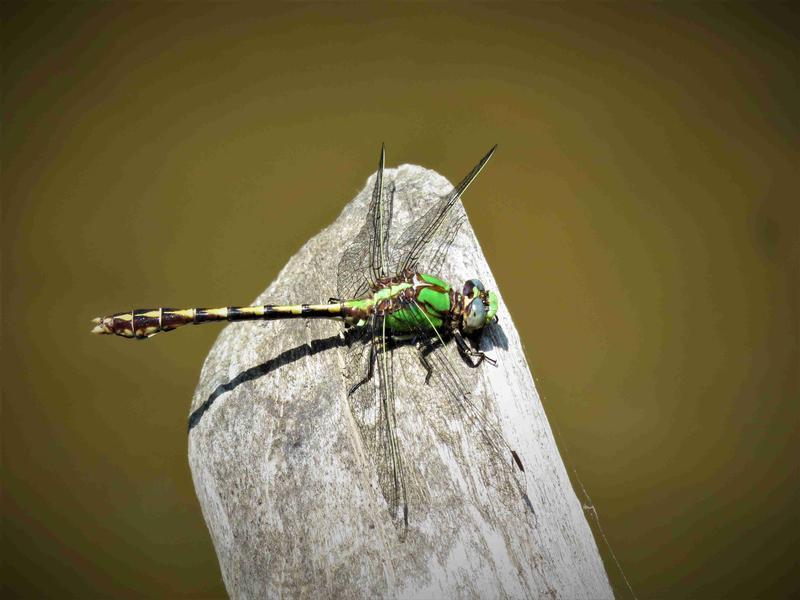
<point x="457" y="393"/>
<point x="395" y="484"/>
<point x="409" y="261"/>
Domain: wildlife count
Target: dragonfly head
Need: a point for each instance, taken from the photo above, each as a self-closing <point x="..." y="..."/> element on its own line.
<point x="479" y="308"/>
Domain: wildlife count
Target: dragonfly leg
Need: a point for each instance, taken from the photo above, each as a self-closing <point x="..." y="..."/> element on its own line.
<point x="470" y="353"/>
<point x="368" y="375"/>
<point x="422" y="351"/>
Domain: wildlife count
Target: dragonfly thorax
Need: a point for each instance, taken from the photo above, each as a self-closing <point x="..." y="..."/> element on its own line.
<point x="411" y="302"/>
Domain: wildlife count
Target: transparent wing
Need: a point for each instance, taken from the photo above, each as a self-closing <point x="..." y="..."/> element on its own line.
<point x="372" y="404"/>
<point x="391" y="477"/>
<point x="434" y="255"/>
<point x="461" y="403"/>
<point x="365" y="259"/>
<point x="426" y="240"/>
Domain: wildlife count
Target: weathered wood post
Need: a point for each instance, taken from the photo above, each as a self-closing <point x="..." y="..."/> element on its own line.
<point x="291" y="500"/>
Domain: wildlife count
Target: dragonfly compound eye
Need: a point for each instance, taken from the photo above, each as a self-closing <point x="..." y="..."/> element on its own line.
<point x="475" y="317"/>
<point x="470" y="286"/>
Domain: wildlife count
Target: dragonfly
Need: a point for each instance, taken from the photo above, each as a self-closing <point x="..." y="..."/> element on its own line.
<point x="388" y="296"/>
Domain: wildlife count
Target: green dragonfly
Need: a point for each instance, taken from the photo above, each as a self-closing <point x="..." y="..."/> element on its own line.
<point x="387" y="297"/>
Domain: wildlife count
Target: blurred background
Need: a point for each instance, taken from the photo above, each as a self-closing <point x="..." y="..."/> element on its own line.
<point x="640" y="216"/>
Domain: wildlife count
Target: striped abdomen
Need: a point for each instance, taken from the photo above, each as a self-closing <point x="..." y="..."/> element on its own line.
<point x="145" y="322"/>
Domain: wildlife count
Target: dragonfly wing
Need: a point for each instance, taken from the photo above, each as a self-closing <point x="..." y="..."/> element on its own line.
<point x="391" y="476"/>
<point x="429" y="236"/>
<point x="434" y="255"/>
<point x="462" y="402"/>
<point x="372" y="404"/>
<point x="380" y="214"/>
<point x="365" y="260"/>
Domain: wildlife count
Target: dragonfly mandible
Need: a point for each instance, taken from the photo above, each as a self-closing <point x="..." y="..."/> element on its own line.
<point x="387" y="295"/>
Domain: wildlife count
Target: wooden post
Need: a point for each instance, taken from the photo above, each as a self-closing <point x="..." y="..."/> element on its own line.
<point x="291" y="499"/>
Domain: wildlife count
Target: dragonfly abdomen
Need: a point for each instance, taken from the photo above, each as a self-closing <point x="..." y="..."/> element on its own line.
<point x="142" y="323"/>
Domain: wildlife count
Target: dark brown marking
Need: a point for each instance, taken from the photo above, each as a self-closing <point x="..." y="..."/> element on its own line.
<point x="170" y="319"/>
<point x="141" y="322"/>
<point x="205" y="315"/>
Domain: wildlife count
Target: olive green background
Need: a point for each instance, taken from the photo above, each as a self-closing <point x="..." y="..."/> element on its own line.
<point x="640" y="216"/>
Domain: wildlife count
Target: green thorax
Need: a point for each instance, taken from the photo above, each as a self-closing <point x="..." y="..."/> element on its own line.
<point x="429" y="309"/>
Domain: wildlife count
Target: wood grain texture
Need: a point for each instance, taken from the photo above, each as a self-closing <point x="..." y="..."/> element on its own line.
<point x="291" y="498"/>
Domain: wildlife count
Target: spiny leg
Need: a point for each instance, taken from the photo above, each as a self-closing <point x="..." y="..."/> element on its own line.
<point x="470" y="353"/>
<point x="423" y="350"/>
<point x="370" y="366"/>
